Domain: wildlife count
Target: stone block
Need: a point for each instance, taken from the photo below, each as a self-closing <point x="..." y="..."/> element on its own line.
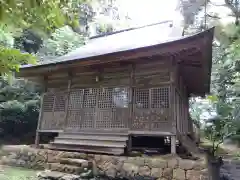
<point x="157" y="163"/>
<point x="130" y="169"/>
<point x="193" y="175"/>
<point x="172" y="163"/>
<point x="179" y="174"/>
<point x="138" y="161"/>
<point x="144" y="171"/>
<point x="162" y="178"/>
<point x="168" y="173"/>
<point x="156" y="172"/>
<point x="187" y="164"/>
<point x="199" y="165"/>
<point x="111" y="171"/>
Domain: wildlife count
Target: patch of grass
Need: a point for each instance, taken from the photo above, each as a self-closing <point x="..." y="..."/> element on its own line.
<point x="13" y="173"/>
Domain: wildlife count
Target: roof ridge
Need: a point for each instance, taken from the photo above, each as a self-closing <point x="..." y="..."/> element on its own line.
<point x="130" y="29"/>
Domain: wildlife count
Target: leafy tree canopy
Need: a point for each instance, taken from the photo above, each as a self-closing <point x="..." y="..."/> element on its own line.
<point x="39" y="16"/>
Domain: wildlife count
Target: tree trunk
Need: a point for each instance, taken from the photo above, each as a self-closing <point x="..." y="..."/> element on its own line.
<point x="214" y="164"/>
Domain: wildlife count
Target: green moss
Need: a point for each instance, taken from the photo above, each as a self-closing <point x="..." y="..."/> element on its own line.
<point x="13" y="173"/>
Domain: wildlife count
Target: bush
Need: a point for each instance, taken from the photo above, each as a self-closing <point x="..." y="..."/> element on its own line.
<point x="19" y="120"/>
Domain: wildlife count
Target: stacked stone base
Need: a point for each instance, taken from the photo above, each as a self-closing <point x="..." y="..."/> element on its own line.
<point x="87" y="166"/>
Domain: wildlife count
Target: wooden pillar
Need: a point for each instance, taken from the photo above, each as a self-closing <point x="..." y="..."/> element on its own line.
<point x="131" y="96"/>
<point x="37" y="137"/>
<point x="173" y="144"/>
<point x="172" y="104"/>
<point x="67" y="102"/>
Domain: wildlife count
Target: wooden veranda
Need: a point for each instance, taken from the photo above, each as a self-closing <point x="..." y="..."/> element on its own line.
<point x="95" y="101"/>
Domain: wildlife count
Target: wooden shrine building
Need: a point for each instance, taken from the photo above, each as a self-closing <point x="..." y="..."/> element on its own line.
<point x="133" y="82"/>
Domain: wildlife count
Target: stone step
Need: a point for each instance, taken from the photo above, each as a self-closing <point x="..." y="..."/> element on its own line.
<point x="54" y="175"/>
<point x="65" y="168"/>
<point x="76" y="162"/>
<point x="74" y="155"/>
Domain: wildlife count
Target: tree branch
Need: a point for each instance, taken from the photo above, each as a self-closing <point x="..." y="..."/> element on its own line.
<point x="232" y="7"/>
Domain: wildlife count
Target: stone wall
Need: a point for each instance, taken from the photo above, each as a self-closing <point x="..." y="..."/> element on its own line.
<point x="161" y="167"/>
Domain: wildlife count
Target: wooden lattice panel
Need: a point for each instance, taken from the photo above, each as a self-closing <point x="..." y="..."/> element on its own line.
<point x="141" y="109"/>
<point x="60" y="101"/>
<point x="47" y="111"/>
<point x="48" y="102"/>
<point x="53" y="111"/>
<point x="89" y="118"/>
<point x="112" y="110"/>
<point x="141" y="98"/>
<point x="141" y="119"/>
<point x="104" y="119"/>
<point x="89" y="108"/>
<point x="105" y="98"/>
<point x="74" y="119"/>
<point x="75" y="101"/>
<point x="120" y="98"/>
<point x="160" y="97"/>
<point x="151" y="108"/>
<point x="120" y="118"/>
<point x="90" y="98"/>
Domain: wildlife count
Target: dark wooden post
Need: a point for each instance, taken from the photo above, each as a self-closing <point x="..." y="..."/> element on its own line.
<point x="67" y="97"/>
<point x="131" y="96"/>
<point x="172" y="114"/>
<point x="37" y="137"/>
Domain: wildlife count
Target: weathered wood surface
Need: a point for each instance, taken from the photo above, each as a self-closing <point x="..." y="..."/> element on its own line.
<point x="106" y="97"/>
<point x="91" y="141"/>
<point x="143" y="97"/>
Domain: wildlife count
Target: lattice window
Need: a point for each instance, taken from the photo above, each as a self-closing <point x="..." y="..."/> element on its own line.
<point x="160" y="97"/>
<point x="141" y="98"/>
<point x="74" y="119"/>
<point x="90" y="98"/>
<point x="60" y="100"/>
<point x="75" y="99"/>
<point x="48" y="101"/>
<point x="120" y="97"/>
<point x="104" y="119"/>
<point x="105" y="98"/>
<point x="89" y="119"/>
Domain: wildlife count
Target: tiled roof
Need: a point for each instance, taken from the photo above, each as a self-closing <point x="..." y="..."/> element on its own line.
<point x="124" y="40"/>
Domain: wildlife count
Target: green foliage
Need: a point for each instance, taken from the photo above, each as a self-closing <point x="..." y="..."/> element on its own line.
<point x="217" y="130"/>
<point x="19" y="109"/>
<point x="62" y="41"/>
<point x="11" y="58"/>
<point x="39" y="14"/>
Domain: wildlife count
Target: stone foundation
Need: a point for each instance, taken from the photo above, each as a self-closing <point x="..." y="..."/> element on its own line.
<point x="161" y="167"/>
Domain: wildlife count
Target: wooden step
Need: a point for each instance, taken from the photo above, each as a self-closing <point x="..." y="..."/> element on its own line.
<point x="90" y="143"/>
<point x="106" y="142"/>
<point x="88" y="149"/>
<point x="91" y="137"/>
